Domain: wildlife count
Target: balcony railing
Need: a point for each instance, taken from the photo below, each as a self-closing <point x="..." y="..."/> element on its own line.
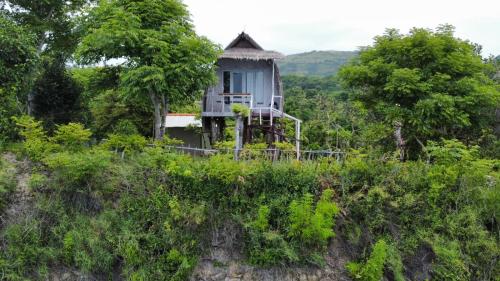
<point x="214" y="105"/>
<point x="220" y="105"/>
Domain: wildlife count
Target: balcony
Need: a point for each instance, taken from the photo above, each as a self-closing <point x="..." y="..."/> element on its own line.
<point x="220" y="105"/>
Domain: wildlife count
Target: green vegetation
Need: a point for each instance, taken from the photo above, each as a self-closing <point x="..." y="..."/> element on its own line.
<point x="7" y="183"/>
<point x="433" y="84"/>
<point x="315" y="63"/>
<point x="149" y="215"/>
<point x="100" y="192"/>
<point x="161" y="50"/>
<point x="240" y="109"/>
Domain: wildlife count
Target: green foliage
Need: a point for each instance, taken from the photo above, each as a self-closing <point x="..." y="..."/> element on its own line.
<point x="76" y="168"/>
<point x="87" y="246"/>
<point x="161" y="50"/>
<point x="7" y="183"/>
<point x="449" y="265"/>
<point x="451" y="151"/>
<point x="36" y="144"/>
<point x="125" y="143"/>
<point x="17" y="60"/>
<point x="27" y="250"/>
<point x="56" y="95"/>
<point x="153" y="211"/>
<point x="373" y="268"/>
<point x="432" y="82"/>
<point x="37" y="181"/>
<point x="73" y="136"/>
<point x="240" y="109"/>
<point x="331" y="119"/>
<point x="262" y="221"/>
<point x="313" y="226"/>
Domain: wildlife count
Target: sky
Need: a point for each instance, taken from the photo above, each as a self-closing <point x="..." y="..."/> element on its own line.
<point x="292" y="26"/>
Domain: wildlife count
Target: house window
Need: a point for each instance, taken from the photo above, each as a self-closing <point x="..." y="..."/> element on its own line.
<point x="237" y="82"/>
<point x="249" y="82"/>
<point x="227" y="81"/>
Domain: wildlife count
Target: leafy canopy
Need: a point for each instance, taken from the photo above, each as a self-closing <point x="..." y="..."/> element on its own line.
<point x="432" y="82"/>
<point x="157" y="41"/>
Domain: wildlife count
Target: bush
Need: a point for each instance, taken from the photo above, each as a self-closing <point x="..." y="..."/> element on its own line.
<point x="313" y="226"/>
<point x="449" y="264"/>
<point x="125" y="143"/>
<point x="240" y="109"/>
<point x="36" y="144"/>
<point x="373" y="269"/>
<point x="73" y="136"/>
<point x="7" y="183"/>
<point x="27" y="250"/>
<point x="37" y="181"/>
<point x="81" y="167"/>
<point x="87" y="246"/>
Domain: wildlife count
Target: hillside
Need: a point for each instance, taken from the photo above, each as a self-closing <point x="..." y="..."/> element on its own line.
<point x="317" y="63"/>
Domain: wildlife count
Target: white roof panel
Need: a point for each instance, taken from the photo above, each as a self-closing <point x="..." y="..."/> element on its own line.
<point x="179" y="120"/>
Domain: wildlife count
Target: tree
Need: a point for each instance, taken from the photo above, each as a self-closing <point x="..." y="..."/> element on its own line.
<point x="164" y="59"/>
<point x="432" y="84"/>
<point x="17" y="60"/>
<point x="57" y="95"/>
<point x="54" y="25"/>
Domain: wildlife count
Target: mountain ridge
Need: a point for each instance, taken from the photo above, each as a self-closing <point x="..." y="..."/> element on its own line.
<point x="315" y="63"/>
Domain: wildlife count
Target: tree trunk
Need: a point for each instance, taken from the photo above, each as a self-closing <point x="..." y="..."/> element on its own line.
<point x="157" y="116"/>
<point x="400" y="143"/>
<point x="164" y="112"/>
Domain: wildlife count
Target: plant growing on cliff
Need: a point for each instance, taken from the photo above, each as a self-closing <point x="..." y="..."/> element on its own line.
<point x="313" y="225"/>
<point x="373" y="268"/>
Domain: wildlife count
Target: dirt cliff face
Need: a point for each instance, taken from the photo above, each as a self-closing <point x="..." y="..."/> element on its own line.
<point x="21" y="199"/>
<point x="224" y="261"/>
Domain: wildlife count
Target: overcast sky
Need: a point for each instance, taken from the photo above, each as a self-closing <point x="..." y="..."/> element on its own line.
<point x="293" y="26"/>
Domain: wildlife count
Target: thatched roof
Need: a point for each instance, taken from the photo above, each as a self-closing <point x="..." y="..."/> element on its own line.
<point x="244" y="47"/>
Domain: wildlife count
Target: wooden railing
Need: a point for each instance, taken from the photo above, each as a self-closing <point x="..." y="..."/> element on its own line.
<point x="221" y="103"/>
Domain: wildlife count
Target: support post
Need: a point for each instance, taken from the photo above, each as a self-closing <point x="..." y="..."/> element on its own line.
<point x="238" y="138"/>
<point x="297" y="138"/>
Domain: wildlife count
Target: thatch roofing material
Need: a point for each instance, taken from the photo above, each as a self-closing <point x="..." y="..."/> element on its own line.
<point x="244" y="47"/>
<point x="250" y="54"/>
<point x="244" y="41"/>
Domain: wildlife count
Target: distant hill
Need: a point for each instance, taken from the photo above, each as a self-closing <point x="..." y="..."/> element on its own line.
<point x="315" y="63"/>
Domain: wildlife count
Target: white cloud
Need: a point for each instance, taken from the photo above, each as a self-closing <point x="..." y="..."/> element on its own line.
<point x="292" y="26"/>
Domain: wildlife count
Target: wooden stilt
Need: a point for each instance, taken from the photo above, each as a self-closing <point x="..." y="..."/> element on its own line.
<point x="297" y="138"/>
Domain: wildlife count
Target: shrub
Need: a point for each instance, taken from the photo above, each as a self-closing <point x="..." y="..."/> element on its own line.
<point x="73" y="136"/>
<point x="79" y="171"/>
<point x="373" y="269"/>
<point x="27" y="250"/>
<point x="126" y="143"/>
<point x="7" y="183"/>
<point x="36" y="144"/>
<point x="37" y="181"/>
<point x="240" y="109"/>
<point x="451" y="151"/>
<point x="86" y="246"/>
<point x="449" y="264"/>
<point x="313" y="226"/>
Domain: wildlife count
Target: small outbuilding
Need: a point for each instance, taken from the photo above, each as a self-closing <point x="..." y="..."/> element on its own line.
<point x="184" y="127"/>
